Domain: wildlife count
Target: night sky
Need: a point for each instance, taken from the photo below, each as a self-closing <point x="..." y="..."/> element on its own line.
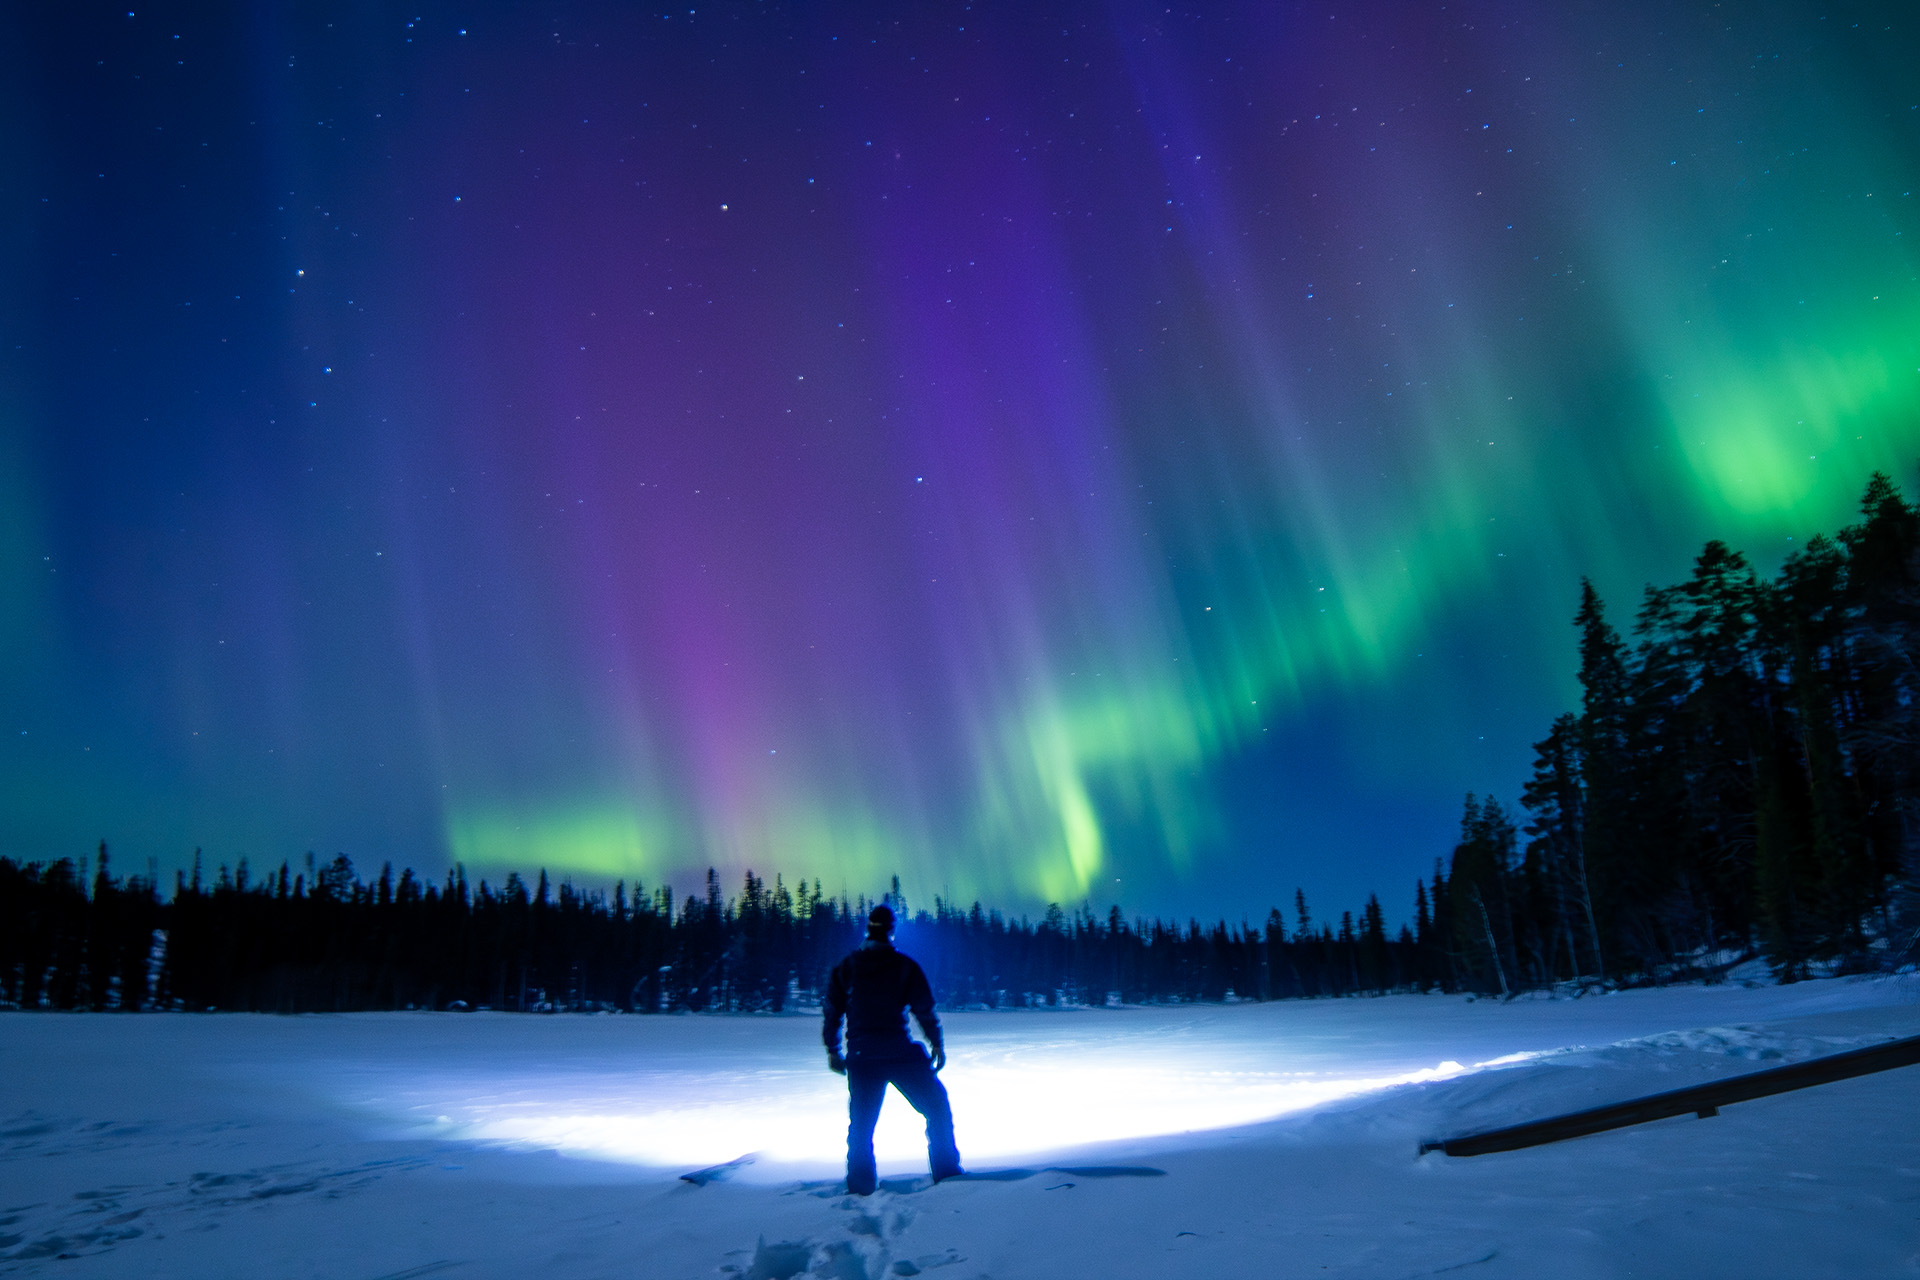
<point x="1051" y="451"/>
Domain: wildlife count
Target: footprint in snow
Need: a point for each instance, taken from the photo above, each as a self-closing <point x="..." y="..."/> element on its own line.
<point x="867" y="1251"/>
<point x="855" y="1259"/>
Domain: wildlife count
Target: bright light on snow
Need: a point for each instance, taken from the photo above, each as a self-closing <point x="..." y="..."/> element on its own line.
<point x="1012" y="1103"/>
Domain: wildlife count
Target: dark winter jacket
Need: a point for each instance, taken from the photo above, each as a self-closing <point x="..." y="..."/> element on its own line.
<point x="872" y="989"/>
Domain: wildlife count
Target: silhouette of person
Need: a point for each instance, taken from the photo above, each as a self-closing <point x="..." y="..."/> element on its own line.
<point x="872" y="988"/>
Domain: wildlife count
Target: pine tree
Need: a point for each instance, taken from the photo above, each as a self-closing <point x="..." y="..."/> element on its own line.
<point x="1882" y="596"/>
<point x="1376" y="963"/>
<point x="1477" y="882"/>
<point x="1555" y="798"/>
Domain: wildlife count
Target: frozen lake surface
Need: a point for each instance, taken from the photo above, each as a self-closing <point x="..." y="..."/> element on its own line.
<point x="1200" y="1141"/>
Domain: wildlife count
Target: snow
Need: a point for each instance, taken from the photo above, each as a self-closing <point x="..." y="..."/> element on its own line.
<point x="1210" y="1141"/>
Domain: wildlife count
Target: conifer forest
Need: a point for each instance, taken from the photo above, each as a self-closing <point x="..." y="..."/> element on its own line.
<point x="1741" y="780"/>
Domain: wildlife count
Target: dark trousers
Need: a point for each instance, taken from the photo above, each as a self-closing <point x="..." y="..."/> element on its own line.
<point x="867" y="1082"/>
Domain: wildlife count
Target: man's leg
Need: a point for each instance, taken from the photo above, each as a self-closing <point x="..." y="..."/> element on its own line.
<point x="919" y="1086"/>
<point x="866" y="1089"/>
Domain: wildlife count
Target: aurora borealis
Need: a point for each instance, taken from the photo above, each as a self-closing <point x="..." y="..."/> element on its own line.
<point x="1049" y="451"/>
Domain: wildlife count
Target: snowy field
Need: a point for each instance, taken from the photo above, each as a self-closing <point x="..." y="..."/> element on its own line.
<point x="1247" y="1140"/>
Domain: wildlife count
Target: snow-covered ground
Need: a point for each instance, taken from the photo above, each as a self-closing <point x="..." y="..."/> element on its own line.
<point x="1246" y="1140"/>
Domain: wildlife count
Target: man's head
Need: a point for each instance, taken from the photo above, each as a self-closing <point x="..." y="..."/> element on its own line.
<point x="880" y="922"/>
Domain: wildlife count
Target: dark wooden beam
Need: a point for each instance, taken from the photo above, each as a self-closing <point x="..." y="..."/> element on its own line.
<point x="1701" y="1100"/>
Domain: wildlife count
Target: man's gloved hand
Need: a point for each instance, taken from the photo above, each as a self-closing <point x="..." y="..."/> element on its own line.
<point x="836" y="1063"/>
<point x="939" y="1058"/>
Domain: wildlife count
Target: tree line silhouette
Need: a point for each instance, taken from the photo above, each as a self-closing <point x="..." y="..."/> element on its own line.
<point x="325" y="940"/>
<point x="1742" y="779"/>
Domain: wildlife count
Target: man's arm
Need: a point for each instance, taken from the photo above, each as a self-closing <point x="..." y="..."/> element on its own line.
<point x="920" y="1001"/>
<point x="832" y="1010"/>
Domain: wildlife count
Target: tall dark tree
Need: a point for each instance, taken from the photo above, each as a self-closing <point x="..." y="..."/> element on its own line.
<point x="1883" y="608"/>
<point x="1607" y="809"/>
<point x="1478" y="883"/>
<point x="1555" y="798"/>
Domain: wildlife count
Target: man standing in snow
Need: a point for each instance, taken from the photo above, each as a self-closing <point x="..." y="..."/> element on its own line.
<point x="872" y="989"/>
